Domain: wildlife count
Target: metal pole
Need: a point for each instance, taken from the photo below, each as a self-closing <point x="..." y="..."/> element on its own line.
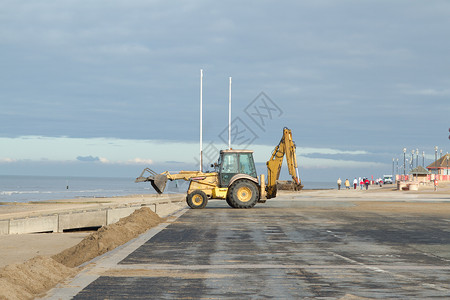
<point x="404" y="161"/>
<point x="408" y="163"/>
<point x="229" y="117"/>
<point x="201" y="120"/>
<point x="393" y="174"/>
<point x="397" y="167"/>
<point x="435" y="158"/>
<point x="423" y="159"/>
<point x="417" y="157"/>
<point x="447" y="164"/>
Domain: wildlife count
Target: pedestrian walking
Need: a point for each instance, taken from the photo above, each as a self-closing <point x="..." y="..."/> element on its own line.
<point x="347" y="184"/>
<point x="361" y="182"/>
<point x="355" y="183"/>
<point x="339" y="182"/>
<point x="366" y="183"/>
<point x="435" y="184"/>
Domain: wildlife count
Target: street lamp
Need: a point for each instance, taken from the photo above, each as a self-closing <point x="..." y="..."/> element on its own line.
<point x="417" y="157"/>
<point x="404" y="161"/>
<point x="393" y="174"/>
<point x="397" y="167"/>
<point x="435" y="158"/>
<point x="423" y="159"/>
<point x="408" y="163"/>
<point x="412" y="159"/>
<point x="447" y="164"/>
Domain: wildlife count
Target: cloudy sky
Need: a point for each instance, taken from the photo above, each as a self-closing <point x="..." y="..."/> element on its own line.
<point x="106" y="88"/>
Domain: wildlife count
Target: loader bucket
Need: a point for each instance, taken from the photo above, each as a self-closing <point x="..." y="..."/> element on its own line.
<point x="158" y="183"/>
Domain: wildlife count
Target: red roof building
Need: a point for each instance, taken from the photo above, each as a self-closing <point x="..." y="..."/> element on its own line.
<point x="440" y="166"/>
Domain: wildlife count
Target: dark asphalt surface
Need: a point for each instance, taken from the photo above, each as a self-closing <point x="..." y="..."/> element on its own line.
<point x="285" y="250"/>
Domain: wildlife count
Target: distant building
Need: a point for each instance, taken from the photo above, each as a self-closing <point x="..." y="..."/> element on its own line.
<point x="440" y="167"/>
<point x="420" y="174"/>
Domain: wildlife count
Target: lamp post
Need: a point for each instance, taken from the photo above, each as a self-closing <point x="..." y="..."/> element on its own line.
<point x="435" y="158"/>
<point x="447" y="164"/>
<point x="417" y="158"/>
<point x="412" y="159"/>
<point x="407" y="164"/>
<point x="404" y="162"/>
<point x="423" y="159"/>
<point x="393" y="174"/>
<point x="397" y="167"/>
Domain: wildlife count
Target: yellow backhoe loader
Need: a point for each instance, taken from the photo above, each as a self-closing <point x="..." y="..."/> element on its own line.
<point x="235" y="179"/>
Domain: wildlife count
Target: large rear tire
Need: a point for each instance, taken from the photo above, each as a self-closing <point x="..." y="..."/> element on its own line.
<point x="197" y="199"/>
<point x="229" y="202"/>
<point x="243" y="194"/>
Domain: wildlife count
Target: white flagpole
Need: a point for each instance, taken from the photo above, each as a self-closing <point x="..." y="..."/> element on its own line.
<point x="229" y="117"/>
<point x="201" y="120"/>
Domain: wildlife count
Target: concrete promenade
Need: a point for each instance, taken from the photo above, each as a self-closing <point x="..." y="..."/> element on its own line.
<point x="310" y="245"/>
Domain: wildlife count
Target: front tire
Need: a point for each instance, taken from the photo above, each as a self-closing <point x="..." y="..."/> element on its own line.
<point x="197" y="199"/>
<point x="243" y="194"/>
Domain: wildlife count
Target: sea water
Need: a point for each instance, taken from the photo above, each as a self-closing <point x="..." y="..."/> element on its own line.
<point x="40" y="188"/>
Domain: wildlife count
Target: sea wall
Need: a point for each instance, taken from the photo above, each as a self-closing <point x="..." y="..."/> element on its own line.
<point x="82" y="218"/>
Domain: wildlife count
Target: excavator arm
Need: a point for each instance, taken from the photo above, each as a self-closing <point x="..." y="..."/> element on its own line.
<point x="159" y="181"/>
<point x="286" y="147"/>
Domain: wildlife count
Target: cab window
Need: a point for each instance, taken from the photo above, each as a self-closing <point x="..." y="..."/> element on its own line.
<point x="230" y="163"/>
<point x="246" y="164"/>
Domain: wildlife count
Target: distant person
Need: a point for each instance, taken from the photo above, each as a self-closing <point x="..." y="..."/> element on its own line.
<point x="366" y="183"/>
<point x="435" y="184"/>
<point x="347" y="184"/>
<point x="355" y="183"/>
<point x="339" y="182"/>
<point x="361" y="183"/>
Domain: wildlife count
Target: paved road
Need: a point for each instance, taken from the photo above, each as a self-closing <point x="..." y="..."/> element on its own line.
<point x="281" y="250"/>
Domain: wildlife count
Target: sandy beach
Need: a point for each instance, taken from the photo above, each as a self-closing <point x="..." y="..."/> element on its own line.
<point x="20" y="249"/>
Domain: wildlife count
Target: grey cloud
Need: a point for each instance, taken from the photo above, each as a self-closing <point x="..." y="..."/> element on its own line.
<point x="89" y="158"/>
<point x="131" y="69"/>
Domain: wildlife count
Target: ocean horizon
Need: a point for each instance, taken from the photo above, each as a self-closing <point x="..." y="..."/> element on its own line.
<point x="14" y="188"/>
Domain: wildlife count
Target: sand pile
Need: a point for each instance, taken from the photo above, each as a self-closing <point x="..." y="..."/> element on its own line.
<point x="32" y="278"/>
<point x="39" y="274"/>
<point x="109" y="237"/>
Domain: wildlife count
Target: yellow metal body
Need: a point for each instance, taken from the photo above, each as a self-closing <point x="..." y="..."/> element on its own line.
<point x="287" y="148"/>
<point x="219" y="193"/>
<point x="206" y="182"/>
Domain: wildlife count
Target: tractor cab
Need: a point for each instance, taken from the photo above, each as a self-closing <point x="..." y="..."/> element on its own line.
<point x="232" y="162"/>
